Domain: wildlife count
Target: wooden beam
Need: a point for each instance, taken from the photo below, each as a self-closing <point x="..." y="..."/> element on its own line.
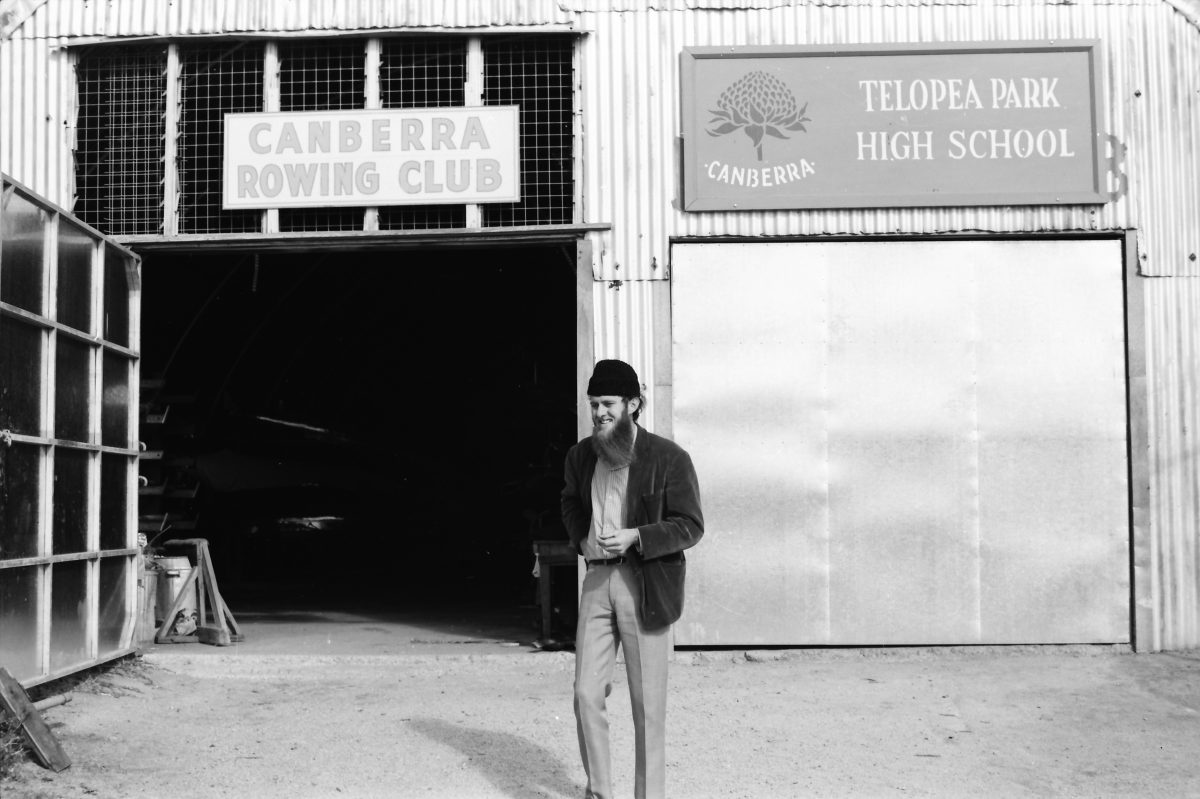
<point x="41" y="740"/>
<point x="361" y="239"/>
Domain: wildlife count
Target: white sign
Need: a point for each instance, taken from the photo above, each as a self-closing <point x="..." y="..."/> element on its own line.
<point x="411" y="156"/>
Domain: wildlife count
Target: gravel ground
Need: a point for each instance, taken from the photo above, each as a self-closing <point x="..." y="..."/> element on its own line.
<point x="1086" y="721"/>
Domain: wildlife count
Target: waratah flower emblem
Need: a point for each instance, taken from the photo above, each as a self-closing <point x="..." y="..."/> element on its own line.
<point x="760" y="105"/>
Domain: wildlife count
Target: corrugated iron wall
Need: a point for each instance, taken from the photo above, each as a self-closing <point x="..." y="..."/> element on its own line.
<point x="629" y="78"/>
<point x="631" y="115"/>
<point x="1173" y="402"/>
<point x="1150" y="57"/>
<point x="117" y="18"/>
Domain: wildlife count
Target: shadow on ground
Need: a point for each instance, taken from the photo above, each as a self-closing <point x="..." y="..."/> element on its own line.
<point x="516" y="766"/>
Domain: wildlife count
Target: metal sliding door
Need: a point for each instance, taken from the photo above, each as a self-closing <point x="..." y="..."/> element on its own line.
<point x="68" y="441"/>
<point x="905" y="442"/>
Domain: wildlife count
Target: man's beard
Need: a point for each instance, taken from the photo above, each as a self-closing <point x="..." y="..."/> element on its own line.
<point x="615" y="449"/>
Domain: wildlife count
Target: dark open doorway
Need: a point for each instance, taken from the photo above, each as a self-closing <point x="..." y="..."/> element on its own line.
<point x="380" y="431"/>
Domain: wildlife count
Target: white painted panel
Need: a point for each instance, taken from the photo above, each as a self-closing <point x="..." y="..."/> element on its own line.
<point x="904" y="442"/>
<point x="1053" y="490"/>
<point x="904" y="534"/>
<point x="753" y="423"/>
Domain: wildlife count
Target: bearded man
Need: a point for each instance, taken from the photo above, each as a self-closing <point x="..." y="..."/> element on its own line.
<point x="631" y="505"/>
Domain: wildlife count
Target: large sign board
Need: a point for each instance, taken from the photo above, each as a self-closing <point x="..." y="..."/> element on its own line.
<point x="891" y="126"/>
<point x="422" y="156"/>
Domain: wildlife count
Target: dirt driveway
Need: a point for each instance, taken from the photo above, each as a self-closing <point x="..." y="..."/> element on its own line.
<point x="946" y="722"/>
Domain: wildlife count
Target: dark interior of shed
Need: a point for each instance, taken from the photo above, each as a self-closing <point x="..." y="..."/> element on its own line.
<point x="361" y="429"/>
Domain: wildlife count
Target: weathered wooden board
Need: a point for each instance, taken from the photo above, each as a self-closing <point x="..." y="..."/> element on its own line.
<point x="45" y="746"/>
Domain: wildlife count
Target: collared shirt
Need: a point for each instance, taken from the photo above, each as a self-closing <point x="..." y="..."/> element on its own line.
<point x="609" y="487"/>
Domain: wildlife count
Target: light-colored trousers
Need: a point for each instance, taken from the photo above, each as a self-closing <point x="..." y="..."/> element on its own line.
<point x="608" y="618"/>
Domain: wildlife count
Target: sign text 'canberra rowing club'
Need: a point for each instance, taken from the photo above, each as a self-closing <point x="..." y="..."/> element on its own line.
<point x="372" y="158"/>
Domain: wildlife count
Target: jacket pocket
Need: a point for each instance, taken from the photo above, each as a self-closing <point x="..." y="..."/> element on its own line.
<point x="662" y="591"/>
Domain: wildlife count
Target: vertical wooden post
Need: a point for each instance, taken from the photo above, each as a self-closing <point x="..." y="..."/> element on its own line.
<point x="271" y="103"/>
<point x="473" y="95"/>
<point x="372" y="101"/>
<point x="170" y="219"/>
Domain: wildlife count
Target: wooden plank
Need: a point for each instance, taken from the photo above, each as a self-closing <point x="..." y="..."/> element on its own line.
<point x="201" y="599"/>
<point x="1146" y="637"/>
<point x="236" y="635"/>
<point x="171" y="120"/>
<point x="215" y="622"/>
<point x="220" y="609"/>
<point x="663" y="406"/>
<point x="214" y="635"/>
<point x="585" y="348"/>
<point x="358" y="239"/>
<point x="45" y="746"/>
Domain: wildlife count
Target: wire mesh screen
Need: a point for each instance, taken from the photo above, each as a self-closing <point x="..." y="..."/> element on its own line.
<point x="321" y="76"/>
<point x="215" y="80"/>
<point x="426" y="72"/>
<point x="535" y="72"/>
<point x="119" y="138"/>
<point x="122" y="107"/>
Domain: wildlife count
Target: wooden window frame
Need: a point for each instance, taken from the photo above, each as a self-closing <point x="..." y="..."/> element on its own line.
<point x="47" y="443"/>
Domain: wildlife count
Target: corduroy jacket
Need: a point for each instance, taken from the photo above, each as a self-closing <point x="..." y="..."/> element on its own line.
<point x="662" y="502"/>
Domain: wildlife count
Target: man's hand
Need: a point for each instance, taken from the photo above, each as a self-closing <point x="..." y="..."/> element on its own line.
<point x="619" y="541"/>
